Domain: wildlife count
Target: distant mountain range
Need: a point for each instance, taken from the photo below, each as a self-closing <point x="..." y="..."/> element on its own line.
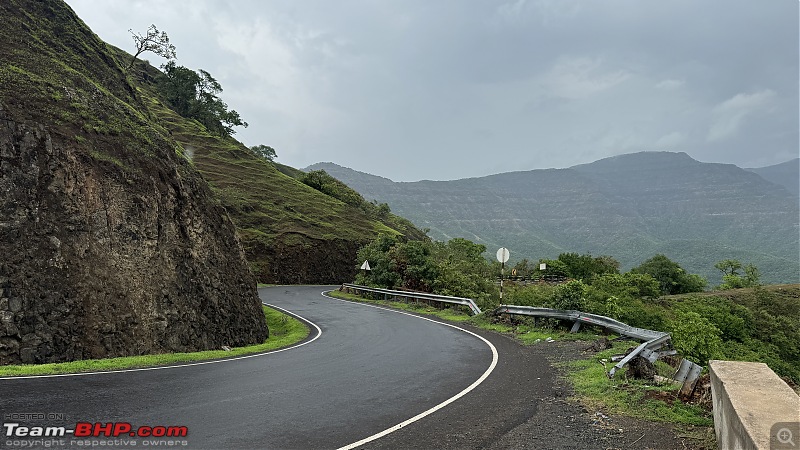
<point x="630" y="207"/>
<point x="785" y="174"/>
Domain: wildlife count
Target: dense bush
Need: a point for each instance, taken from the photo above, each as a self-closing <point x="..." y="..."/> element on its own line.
<point x="671" y="277"/>
<point x="569" y="296"/>
<point x="579" y="267"/>
<point x="325" y="183"/>
<point x="695" y="337"/>
<point x="455" y="268"/>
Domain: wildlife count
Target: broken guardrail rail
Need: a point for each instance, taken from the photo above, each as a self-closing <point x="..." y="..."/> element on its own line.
<point x="416" y="295"/>
<point x="651" y="348"/>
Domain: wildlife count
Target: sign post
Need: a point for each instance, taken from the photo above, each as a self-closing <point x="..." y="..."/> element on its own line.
<point x="502" y="256"/>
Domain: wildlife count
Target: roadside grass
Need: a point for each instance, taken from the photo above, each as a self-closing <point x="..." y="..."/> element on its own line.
<point x="528" y="333"/>
<point x="589" y="378"/>
<point x="628" y="396"/>
<point x="284" y="331"/>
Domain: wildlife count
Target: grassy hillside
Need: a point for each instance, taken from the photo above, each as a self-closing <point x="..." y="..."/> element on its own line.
<point x="290" y="232"/>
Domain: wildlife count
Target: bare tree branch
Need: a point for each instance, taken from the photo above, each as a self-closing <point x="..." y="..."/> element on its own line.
<point x="154" y="41"/>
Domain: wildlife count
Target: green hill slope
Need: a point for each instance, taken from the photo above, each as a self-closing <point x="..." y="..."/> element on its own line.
<point x="630" y="207"/>
<point x="290" y="232"/>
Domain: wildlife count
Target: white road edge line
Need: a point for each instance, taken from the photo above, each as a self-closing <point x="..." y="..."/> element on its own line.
<point x="440" y="405"/>
<point x="200" y="363"/>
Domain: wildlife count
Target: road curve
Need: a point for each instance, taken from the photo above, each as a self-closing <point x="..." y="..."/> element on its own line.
<point x="369" y="370"/>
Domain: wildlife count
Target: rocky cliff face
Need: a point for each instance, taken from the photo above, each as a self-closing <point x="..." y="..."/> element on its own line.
<point x="110" y="243"/>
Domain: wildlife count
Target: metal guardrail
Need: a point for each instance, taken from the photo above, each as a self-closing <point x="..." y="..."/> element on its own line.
<point x="416" y="295"/>
<point x="582" y="317"/>
<point x="654" y="340"/>
<point x="651" y="349"/>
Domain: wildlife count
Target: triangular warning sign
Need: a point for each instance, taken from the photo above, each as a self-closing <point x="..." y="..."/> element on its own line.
<point x="365" y="266"/>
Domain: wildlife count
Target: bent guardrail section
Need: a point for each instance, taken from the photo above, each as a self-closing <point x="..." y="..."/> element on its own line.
<point x="650" y="349"/>
<point x="416" y="295"/>
<point x="582" y="317"/>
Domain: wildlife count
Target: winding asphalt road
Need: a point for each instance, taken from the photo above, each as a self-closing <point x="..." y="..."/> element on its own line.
<point x="369" y="370"/>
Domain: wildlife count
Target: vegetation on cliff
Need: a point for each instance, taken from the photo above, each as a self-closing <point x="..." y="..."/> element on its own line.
<point x="292" y="231"/>
<point x="112" y="243"/>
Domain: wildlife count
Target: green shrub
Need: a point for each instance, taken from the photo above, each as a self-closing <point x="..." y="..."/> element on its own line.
<point x="570" y="296"/>
<point x="696" y="338"/>
<point x="636" y="312"/>
<point x="535" y="295"/>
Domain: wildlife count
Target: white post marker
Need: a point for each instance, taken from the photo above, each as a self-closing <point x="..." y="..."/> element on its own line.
<point x="365" y="266"/>
<point x="502" y="256"/>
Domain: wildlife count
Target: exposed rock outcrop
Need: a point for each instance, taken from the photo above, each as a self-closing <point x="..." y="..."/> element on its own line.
<point x="110" y="243"/>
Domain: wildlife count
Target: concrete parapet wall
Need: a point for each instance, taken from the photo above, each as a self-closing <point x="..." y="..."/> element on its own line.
<point x="749" y="398"/>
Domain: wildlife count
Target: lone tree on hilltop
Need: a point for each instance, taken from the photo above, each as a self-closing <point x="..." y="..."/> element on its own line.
<point x="732" y="279"/>
<point x="264" y="151"/>
<point x="154" y="41"/>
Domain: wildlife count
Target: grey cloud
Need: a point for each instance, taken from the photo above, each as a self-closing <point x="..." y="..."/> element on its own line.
<point x="418" y="89"/>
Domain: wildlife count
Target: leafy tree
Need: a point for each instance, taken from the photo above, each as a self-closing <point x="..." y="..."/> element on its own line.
<point x="153" y="41"/>
<point x="463" y="271"/>
<point x="583" y="267"/>
<point x="553" y="267"/>
<point x="728" y="266"/>
<point x="414" y="265"/>
<point x="635" y="285"/>
<point x="383" y="271"/>
<point x="383" y="210"/>
<point x="671" y="277"/>
<point x="195" y="95"/>
<point x="579" y="267"/>
<point x="264" y="151"/>
<point x="731" y="279"/>
<point x="455" y="268"/>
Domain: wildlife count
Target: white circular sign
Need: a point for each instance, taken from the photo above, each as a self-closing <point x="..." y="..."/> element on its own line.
<point x="503" y="254"/>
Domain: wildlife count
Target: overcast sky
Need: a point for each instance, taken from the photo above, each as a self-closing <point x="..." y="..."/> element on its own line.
<point x="446" y="89"/>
